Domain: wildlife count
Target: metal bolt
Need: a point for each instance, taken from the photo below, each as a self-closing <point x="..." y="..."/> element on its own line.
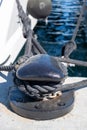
<point x="61" y="104"/>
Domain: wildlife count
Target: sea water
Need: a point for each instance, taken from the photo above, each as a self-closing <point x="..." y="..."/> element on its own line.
<point x="58" y="30"/>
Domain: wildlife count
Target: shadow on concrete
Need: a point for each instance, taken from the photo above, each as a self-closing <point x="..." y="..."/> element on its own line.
<point x="6" y="81"/>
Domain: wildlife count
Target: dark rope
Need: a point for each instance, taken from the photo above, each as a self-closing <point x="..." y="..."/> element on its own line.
<point x="72" y="86"/>
<point x="7" y="68"/>
<point x="72" y="61"/>
<point x="27" y="31"/>
<point x="28" y="46"/>
<point x="38" y="46"/>
<point x="38" y="91"/>
<point x="71" y="45"/>
<point x="45" y="91"/>
<point x="78" y="23"/>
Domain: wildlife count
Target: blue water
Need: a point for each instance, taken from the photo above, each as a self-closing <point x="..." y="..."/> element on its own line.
<point x="59" y="30"/>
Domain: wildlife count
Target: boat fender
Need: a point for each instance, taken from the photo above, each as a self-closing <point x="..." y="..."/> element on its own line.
<point x="39" y="9"/>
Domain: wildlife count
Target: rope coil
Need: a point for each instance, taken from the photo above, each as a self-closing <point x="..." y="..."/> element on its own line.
<point x="38" y="91"/>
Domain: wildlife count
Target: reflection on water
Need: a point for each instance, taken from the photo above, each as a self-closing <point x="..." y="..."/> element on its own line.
<point x="59" y="30"/>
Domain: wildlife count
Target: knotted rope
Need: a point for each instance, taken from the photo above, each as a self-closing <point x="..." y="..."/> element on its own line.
<point x="71" y="45"/>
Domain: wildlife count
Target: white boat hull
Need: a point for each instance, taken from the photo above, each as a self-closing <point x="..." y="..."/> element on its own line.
<point x="11" y="38"/>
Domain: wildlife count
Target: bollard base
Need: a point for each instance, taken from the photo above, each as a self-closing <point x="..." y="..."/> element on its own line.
<point x="27" y="107"/>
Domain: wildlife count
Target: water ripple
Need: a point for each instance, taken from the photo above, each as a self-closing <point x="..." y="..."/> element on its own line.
<point x="59" y="30"/>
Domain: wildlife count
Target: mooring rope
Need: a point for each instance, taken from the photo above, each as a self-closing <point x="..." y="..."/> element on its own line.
<point x="38" y="91"/>
<point x="48" y="91"/>
<point x="70" y="46"/>
<point x="73" y="86"/>
<point x="78" y="22"/>
<point x="41" y="91"/>
<point x="7" y="68"/>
